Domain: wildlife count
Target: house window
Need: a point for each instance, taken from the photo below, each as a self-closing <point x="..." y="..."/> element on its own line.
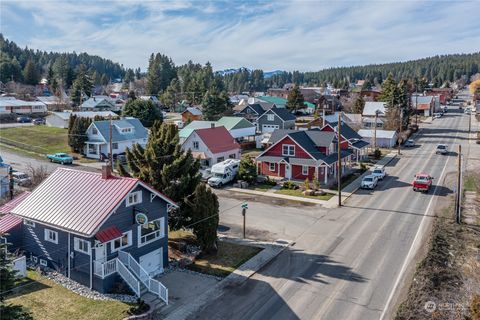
<point x="81" y="245"/>
<point x="122" y="242"/>
<point x="126" y="130"/>
<point x="195" y="145"/>
<point x="34" y="259"/>
<point x="115" y="146"/>
<point x="288" y="150"/>
<point x="94" y="131"/>
<point x="220" y="159"/>
<point x="305" y="170"/>
<point x="271" y="166"/>
<point x="232" y="156"/>
<point x="43" y="262"/>
<point x="29" y="223"/>
<point x="92" y="149"/>
<point x="134" y="198"/>
<point x="270" y="117"/>
<point x="151" y="231"/>
<point x="51" y="236"/>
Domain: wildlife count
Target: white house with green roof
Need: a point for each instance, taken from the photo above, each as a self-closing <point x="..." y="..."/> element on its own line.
<point x="238" y="127"/>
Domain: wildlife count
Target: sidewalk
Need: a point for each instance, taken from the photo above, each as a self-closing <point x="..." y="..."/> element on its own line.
<point x="355" y="184"/>
<point x="236" y="278"/>
<point x="271" y="193"/>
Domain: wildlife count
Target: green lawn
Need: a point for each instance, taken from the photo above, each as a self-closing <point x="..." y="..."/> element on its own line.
<point x="48" y="300"/>
<point x="38" y="139"/>
<point x="298" y="193"/>
<point x="228" y="258"/>
<point x="251" y="152"/>
<point x="260" y="187"/>
<point x="470" y="184"/>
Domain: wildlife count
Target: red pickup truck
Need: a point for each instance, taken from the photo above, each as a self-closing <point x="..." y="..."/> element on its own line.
<point x="422" y="182"/>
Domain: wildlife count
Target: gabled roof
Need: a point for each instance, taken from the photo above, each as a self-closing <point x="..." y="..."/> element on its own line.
<point x="8" y="222"/>
<point x="421" y="100"/>
<point x="371" y="107"/>
<point x="319" y="138"/>
<point x="194" y="111"/>
<point x="217" y="139"/>
<point x="367" y="133"/>
<point x="78" y="201"/>
<point x="231" y="123"/>
<point x="283" y="114"/>
<point x="85" y="114"/>
<point x="197" y="124"/>
<point x="306" y="143"/>
<point x="256" y="107"/>
<point x="347" y="132"/>
<point x="96" y="100"/>
<point x="10" y="205"/>
<point x="279" y="102"/>
<point x="139" y="131"/>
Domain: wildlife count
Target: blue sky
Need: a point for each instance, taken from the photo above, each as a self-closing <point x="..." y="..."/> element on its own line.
<point x="303" y="35"/>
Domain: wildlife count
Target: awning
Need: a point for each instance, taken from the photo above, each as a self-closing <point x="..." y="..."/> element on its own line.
<point x="8" y="222"/>
<point x="108" y="234"/>
<point x="200" y="155"/>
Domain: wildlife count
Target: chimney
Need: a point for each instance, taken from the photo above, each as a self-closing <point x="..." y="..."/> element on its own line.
<point x="212" y="125"/>
<point x="106" y="172"/>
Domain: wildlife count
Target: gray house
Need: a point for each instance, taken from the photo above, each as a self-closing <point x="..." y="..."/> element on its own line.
<point x="275" y="118"/>
<point x="98" y="229"/>
<point x="98" y="103"/>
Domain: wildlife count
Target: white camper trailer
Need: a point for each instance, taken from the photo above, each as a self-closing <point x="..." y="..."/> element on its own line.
<point x="223" y="172"/>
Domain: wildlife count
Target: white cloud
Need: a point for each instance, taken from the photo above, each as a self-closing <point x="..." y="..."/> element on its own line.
<point x="303" y="35"/>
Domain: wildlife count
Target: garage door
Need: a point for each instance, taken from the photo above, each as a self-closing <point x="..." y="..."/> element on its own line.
<point x="153" y="262"/>
<point x="269" y="127"/>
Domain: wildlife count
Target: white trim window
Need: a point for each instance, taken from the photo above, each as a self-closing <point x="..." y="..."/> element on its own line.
<point x="270" y="117"/>
<point x="81" y="245"/>
<point x="43" y="262"/>
<point x="114" y="145"/>
<point x="196" y="145"/>
<point x="153" y="230"/>
<point x="94" y="131"/>
<point x="122" y="242"/>
<point x="34" y="259"/>
<point x="51" y="236"/>
<point x="29" y="223"/>
<point x="271" y="166"/>
<point x="305" y="170"/>
<point x="288" y="150"/>
<point x="134" y="198"/>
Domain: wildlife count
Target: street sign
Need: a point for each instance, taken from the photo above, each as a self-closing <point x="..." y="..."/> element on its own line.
<point x="244" y="205"/>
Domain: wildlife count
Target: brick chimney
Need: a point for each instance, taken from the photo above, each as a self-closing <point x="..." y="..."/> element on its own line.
<point x="106" y="172"/>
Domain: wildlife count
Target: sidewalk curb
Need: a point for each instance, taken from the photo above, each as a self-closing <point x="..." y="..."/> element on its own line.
<point x="236" y="278"/>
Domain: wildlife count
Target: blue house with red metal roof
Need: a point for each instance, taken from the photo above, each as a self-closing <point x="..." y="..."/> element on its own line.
<point x="97" y="229"/>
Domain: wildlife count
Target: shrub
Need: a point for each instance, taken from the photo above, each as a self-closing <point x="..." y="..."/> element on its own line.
<point x="316" y="184"/>
<point x="377" y="154"/>
<point x="306" y="184"/>
<point x="289" y="185"/>
<point x="270" y="182"/>
<point x="139" y="308"/>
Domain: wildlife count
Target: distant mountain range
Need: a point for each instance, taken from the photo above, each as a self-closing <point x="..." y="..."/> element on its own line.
<point x="266" y="74"/>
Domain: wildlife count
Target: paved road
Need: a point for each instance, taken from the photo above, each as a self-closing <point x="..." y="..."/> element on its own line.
<point x="346" y="261"/>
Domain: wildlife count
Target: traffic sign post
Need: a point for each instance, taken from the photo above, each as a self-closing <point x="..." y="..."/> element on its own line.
<point x="244" y="214"/>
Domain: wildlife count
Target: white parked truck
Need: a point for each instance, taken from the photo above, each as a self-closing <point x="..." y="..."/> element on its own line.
<point x="223" y="172"/>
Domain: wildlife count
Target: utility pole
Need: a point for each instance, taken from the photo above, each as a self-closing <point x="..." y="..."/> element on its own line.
<point x="416" y="110"/>
<point x="339" y="166"/>
<point x="110" y="142"/>
<point x="375" y="132"/>
<point x="459" y="179"/>
<point x="399" y="129"/>
<point x="10" y="182"/>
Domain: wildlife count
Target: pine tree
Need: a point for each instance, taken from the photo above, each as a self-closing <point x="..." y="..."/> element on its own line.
<point x="295" y="99"/>
<point x="77" y="134"/>
<point x="359" y="105"/>
<point x="81" y="85"/>
<point x="205" y="218"/>
<point x="128" y="78"/>
<point x="31" y="75"/>
<point x="164" y="165"/>
<point x="7" y="283"/>
<point x="390" y="95"/>
<point x="248" y="170"/>
<point x="404" y="101"/>
<point x="145" y="111"/>
<point x="215" y="105"/>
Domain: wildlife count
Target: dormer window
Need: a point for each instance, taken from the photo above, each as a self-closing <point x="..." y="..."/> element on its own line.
<point x="126" y="130"/>
<point x="134" y="198"/>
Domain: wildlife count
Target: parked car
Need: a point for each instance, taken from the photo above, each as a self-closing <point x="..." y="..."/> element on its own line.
<point x="468" y="110"/>
<point x="38" y="121"/>
<point x="422" y="182"/>
<point x="379" y="172"/>
<point x="24" y="119"/>
<point x="437" y="115"/>
<point x="22" y="179"/>
<point x="60" y="157"/>
<point x="369" y="182"/>
<point x="441" y="149"/>
<point x="224" y="172"/>
<point x="409" y="143"/>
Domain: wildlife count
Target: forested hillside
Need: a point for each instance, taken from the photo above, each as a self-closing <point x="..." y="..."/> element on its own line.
<point x="28" y="66"/>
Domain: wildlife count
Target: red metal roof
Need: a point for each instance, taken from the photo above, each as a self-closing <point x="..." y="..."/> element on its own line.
<point x="7" y="207"/>
<point x="108" y="234"/>
<point x="217" y="139"/>
<point x="8" y="222"/>
<point x="77" y="201"/>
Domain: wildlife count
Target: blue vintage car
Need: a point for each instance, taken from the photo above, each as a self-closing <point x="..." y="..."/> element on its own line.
<point x="62" y="158"/>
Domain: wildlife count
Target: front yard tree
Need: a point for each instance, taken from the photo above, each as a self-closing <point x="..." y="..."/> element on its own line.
<point x="390" y="95"/>
<point x="295" y="99"/>
<point x="7" y="283"/>
<point x="77" y="134"/>
<point x="248" y="170"/>
<point x="164" y="165"/>
<point x="215" y="104"/>
<point x="205" y="218"/>
<point x="359" y="105"/>
<point x="144" y="110"/>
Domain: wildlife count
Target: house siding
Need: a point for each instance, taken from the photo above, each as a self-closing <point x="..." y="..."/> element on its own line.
<point x="277" y="149"/>
<point x="263" y="119"/>
<point x="202" y="147"/>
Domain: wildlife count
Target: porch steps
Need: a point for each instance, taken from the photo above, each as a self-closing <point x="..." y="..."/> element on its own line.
<point x="152" y="300"/>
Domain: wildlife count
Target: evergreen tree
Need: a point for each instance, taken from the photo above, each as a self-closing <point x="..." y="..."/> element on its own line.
<point x="31" y="75"/>
<point x="295" y="100"/>
<point x="145" y="111"/>
<point x="215" y="105"/>
<point x="82" y="85"/>
<point x="128" y="78"/>
<point x="359" y="105"/>
<point x="404" y="102"/>
<point x="7" y="283"/>
<point x="138" y="73"/>
<point x="169" y="96"/>
<point x="205" y="218"/>
<point x="104" y="80"/>
<point x="161" y="71"/>
<point x="367" y="85"/>
<point x="164" y="165"/>
<point x="390" y="95"/>
<point x="77" y="135"/>
<point x="248" y="170"/>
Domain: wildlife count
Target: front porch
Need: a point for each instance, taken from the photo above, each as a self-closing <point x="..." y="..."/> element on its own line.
<point x="95" y="149"/>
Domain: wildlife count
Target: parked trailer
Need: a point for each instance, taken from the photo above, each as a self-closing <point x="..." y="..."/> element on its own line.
<point x="224" y="172"/>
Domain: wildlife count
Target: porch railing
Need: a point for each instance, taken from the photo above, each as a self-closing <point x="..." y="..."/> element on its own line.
<point x="129" y="278"/>
<point x="104" y="269"/>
